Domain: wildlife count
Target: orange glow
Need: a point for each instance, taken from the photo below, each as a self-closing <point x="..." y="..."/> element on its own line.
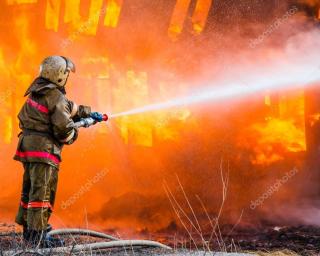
<point x="313" y="4"/>
<point x="95" y="11"/>
<point x="72" y="12"/>
<point x="8" y="130"/>
<point x="276" y="136"/>
<point x="131" y="65"/>
<point x="53" y="14"/>
<point x="72" y="15"/>
<point x="272" y="139"/>
<point x="200" y="15"/>
<point x="178" y="17"/>
<point x="133" y="91"/>
<point x="267" y="100"/>
<point x="113" y="13"/>
<point x="312" y="119"/>
<point x="21" y="1"/>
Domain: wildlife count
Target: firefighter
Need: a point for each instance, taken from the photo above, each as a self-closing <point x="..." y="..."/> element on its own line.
<point x="47" y="123"/>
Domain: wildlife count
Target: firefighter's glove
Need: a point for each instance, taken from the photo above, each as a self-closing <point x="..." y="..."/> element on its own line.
<point x="74" y="138"/>
<point x="96" y="116"/>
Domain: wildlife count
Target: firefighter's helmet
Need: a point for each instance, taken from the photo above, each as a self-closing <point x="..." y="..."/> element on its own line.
<point x="56" y="69"/>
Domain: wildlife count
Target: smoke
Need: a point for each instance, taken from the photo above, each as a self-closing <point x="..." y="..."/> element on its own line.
<point x="136" y="66"/>
<point x="242" y="75"/>
<point x="297" y="68"/>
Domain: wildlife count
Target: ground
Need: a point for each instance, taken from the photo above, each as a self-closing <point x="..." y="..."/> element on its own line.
<point x="293" y="241"/>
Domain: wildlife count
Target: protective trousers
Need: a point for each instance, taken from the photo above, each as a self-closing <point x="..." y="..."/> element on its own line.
<point x="38" y="195"/>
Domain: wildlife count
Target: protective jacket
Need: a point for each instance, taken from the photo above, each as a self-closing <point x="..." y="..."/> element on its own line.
<point x="47" y="123"/>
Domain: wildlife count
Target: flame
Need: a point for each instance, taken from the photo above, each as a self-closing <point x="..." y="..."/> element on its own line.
<point x="72" y="15"/>
<point x="133" y="91"/>
<point x="276" y="136"/>
<point x="53" y="14"/>
<point x="21" y="1"/>
<point x="72" y="12"/>
<point x="272" y="139"/>
<point x="95" y="12"/>
<point x="113" y="13"/>
<point x="200" y="15"/>
<point x="8" y="130"/>
<point x="178" y="17"/>
<point x="7" y="127"/>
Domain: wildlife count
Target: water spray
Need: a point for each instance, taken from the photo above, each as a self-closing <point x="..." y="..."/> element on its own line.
<point x="293" y="78"/>
<point x="283" y="81"/>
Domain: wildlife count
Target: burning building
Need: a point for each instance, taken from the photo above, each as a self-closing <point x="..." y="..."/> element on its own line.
<point x="133" y="53"/>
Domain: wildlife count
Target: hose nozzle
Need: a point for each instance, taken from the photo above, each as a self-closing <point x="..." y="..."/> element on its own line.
<point x="89" y="121"/>
<point x="105" y="117"/>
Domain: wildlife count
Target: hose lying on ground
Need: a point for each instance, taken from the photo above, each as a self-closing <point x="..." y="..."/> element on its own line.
<point x="81" y="232"/>
<point x="105" y="245"/>
<point x="120" y="244"/>
<point x="115" y="243"/>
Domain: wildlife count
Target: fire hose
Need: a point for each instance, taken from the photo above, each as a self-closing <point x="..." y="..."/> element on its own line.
<point x="89" y="247"/>
<point x="105" y="245"/>
<point x="81" y="232"/>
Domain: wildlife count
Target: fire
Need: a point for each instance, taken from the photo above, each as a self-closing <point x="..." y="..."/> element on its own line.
<point x="124" y="62"/>
<point x="8" y="130"/>
<point x="113" y="13"/>
<point x="133" y="91"/>
<point x="72" y="15"/>
<point x="53" y="14"/>
<point x="21" y="1"/>
<point x="72" y="12"/>
<point x="272" y="139"/>
<point x="281" y="132"/>
<point x="200" y="15"/>
<point x="180" y="16"/>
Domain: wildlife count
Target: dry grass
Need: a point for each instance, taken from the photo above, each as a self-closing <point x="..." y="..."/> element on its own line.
<point x="190" y="222"/>
<point x="278" y="253"/>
